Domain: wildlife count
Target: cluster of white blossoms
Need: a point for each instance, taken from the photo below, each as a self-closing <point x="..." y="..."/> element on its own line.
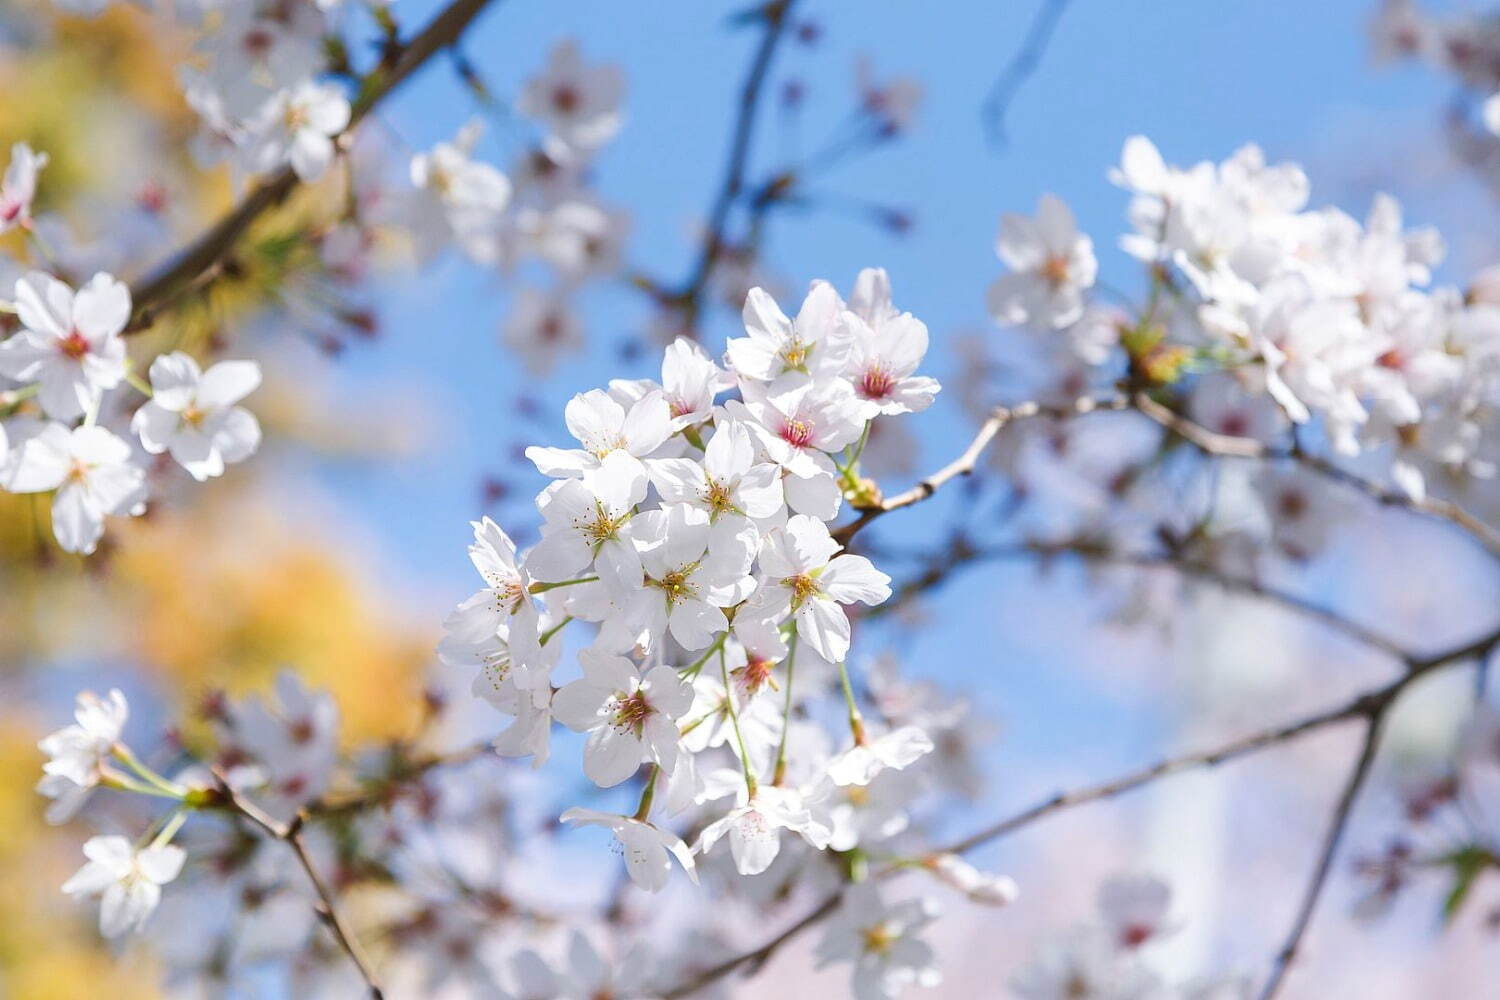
<point x="1330" y="319"/>
<point x="283" y="751"/>
<point x="692" y="532"/>
<point x="541" y="211"/>
<point x="68" y="369"/>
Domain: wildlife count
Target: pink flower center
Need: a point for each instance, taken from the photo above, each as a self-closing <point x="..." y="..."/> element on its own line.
<point x="798" y="433"/>
<point x="877" y="383"/>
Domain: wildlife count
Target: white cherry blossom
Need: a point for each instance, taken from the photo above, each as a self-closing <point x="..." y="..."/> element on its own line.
<point x="648" y="849"/>
<point x="92" y="475"/>
<point x="1051" y="264"/>
<point x="193" y="416"/>
<point x="18" y="187"/>
<point x="128" y="881"/>
<point x="629" y="716"/>
<point x="804" y="577"/>
<point x="70" y="343"/>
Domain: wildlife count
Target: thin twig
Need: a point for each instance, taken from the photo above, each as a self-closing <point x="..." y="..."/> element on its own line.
<point x="964" y="464"/>
<point x="205" y="253"/>
<point x="1336" y="827"/>
<point x="776" y="15"/>
<point x="327" y="906"/>
<point x="961" y="553"/>
<point x="1229" y="446"/>
<point x="1021" y="67"/>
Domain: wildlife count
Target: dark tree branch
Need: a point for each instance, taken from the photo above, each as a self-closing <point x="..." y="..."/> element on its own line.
<point x="199" y="261"/>
<point x="327" y="906"/>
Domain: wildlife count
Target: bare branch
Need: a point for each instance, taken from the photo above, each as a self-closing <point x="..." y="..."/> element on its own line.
<point x="200" y="260"/>
<point x="1228" y="446"/>
<point x="964" y="464"/>
<point x="327" y="906"/>
<point x="777" y="16"/>
<point x="1021" y="67"/>
<point x="1341" y="812"/>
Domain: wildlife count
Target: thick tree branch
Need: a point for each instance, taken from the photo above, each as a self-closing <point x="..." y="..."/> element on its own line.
<point x="199" y="261"/>
<point x="327" y="906"/>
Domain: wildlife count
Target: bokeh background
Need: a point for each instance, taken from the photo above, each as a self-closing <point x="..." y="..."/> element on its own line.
<point x="339" y="549"/>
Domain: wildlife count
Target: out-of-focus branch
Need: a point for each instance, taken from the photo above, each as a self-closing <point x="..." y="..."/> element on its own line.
<point x="1336" y="827"/>
<point x="776" y="15"/>
<point x="327" y="906"/>
<point x="964" y="464"/>
<point x="752" y="960"/>
<point x="1372" y="706"/>
<point x="1021" y="67"/>
<point x="405" y="770"/>
<point x="961" y="553"/>
<point x="199" y="262"/>
<point x="1228" y="446"/>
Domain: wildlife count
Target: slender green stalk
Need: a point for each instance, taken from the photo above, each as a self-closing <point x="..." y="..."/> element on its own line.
<point x="734" y="718"/>
<point x="786" y="721"/>
<point x="856" y="721"/>
<point x="648" y="793"/>
<point x="547" y="635"/>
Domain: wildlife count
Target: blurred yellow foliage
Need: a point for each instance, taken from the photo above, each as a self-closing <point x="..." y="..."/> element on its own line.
<point x="209" y="591"/>
<point x="227" y="596"/>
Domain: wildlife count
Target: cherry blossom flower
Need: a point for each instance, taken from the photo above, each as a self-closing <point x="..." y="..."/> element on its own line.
<point x="881" y="942"/>
<point x="979" y="887"/>
<point x="797" y="422"/>
<point x="1135" y="908"/>
<point x="93" y="476"/>
<point x="896" y="749"/>
<point x="128" y="880"/>
<point x="296" y="127"/>
<point x="579" y="103"/>
<point x="648" y="848"/>
<point x="817" y="343"/>
<point x="692" y="573"/>
<point x="1084" y="965"/>
<point x="1052" y="265"/>
<point x="542" y="327"/>
<point x="192" y="414"/>
<point x="728" y="486"/>
<point x="292" y="737"/>
<point x="754" y="827"/>
<point x="885" y="348"/>
<point x="586" y="525"/>
<point x="803" y="576"/>
<point x="76" y="754"/>
<point x="457" y="198"/>
<point x="18" y="187"/>
<point x="70" y="343"/>
<point x="506" y="598"/>
<point x="602" y="426"/>
<point x="630" y="717"/>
